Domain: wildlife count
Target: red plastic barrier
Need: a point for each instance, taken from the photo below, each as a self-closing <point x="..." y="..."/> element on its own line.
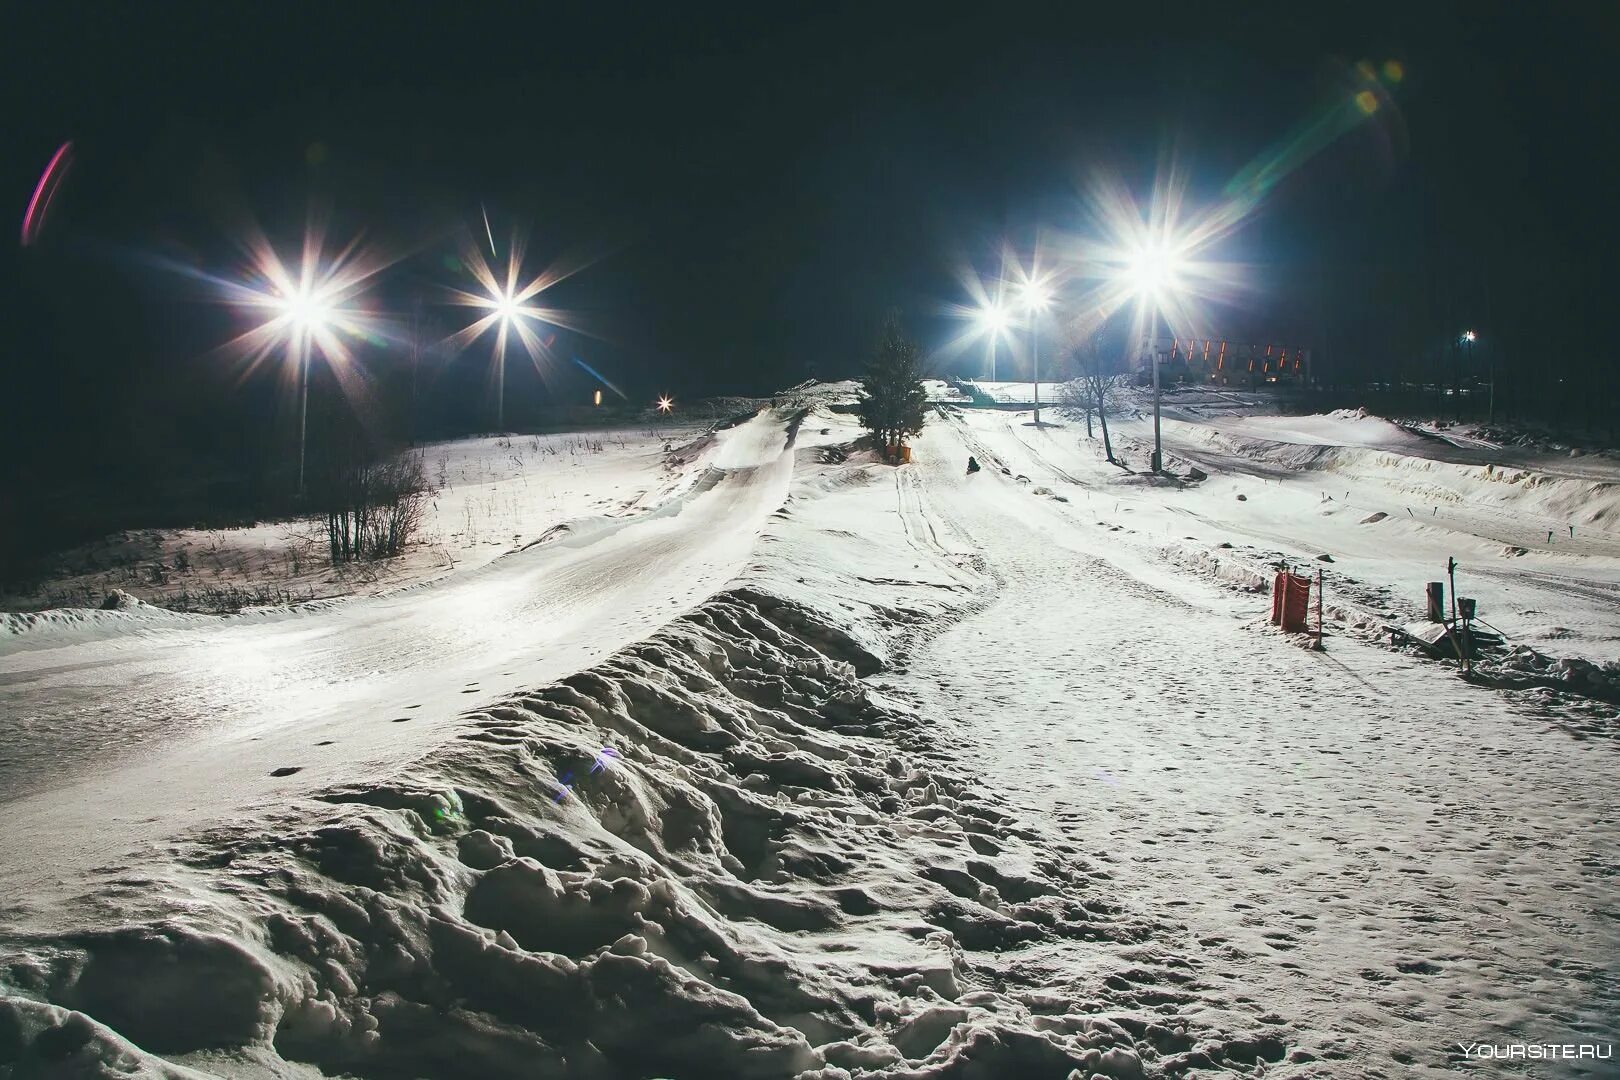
<point x="1290" y="602"/>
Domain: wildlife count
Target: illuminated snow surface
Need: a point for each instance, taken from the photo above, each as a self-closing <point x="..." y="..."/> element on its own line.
<point x="912" y="774"/>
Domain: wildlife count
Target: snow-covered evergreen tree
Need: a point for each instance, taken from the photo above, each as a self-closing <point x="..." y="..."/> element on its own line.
<point x="892" y="396"/>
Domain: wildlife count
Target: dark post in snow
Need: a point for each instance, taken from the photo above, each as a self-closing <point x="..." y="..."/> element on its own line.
<point x="1153" y="358"/>
<point x="1035" y="348"/>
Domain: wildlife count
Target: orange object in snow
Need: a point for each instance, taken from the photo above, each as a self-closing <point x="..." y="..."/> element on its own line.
<point x="1290" y="602"/>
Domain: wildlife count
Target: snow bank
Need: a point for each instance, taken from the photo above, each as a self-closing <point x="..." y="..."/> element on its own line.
<point x="759" y="886"/>
<point x="1426" y="481"/>
<point x="1524" y="666"/>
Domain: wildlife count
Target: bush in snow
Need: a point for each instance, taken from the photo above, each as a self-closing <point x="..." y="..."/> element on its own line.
<point x="371" y="506"/>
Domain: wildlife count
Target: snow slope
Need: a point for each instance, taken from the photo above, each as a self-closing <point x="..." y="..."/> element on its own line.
<point x="956" y="777"/>
<point x="1387" y="505"/>
<point x="490" y="496"/>
<point x="125" y="730"/>
<point x="776" y="874"/>
<point x="1372" y="862"/>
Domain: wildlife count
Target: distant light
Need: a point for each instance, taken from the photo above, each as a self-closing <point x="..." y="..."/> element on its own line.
<point x="597" y="398"/>
<point x="1367" y="102"/>
<point x="1469" y="336"/>
<point x="664" y="403"/>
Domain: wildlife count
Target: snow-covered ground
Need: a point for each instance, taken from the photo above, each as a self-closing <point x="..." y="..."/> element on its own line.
<point x="1016" y="393"/>
<point x="931" y="775"/>
<point x="490" y="496"/>
<point x="1371" y="860"/>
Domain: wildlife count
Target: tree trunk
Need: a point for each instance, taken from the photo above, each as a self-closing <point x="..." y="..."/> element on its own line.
<point x="1102" y="417"/>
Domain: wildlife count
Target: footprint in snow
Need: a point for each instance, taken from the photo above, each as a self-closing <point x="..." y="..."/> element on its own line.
<point x="286" y="770"/>
<point x="401" y="720"/>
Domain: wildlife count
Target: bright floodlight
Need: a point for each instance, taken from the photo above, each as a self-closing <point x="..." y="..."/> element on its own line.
<point x="1036" y="296"/>
<point x="1151" y="271"/>
<point x="506" y="307"/>
<point x="993" y="317"/>
<point x="305" y="310"/>
<point x="665" y="404"/>
<point x="1469" y="335"/>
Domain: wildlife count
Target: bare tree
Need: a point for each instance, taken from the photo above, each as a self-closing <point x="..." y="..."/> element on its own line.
<point x="1088" y="390"/>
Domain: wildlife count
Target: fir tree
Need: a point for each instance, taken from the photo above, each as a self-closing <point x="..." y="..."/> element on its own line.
<point x="892" y="396"/>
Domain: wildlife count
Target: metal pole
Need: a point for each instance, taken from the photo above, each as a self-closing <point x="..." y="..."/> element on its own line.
<point x="1153" y="358"/>
<point x="1035" y="347"/>
<point x="1491" y="414"/>
<point x="992" y="356"/>
<point x="303" y="412"/>
<point x="416" y="360"/>
<point x="500" y="396"/>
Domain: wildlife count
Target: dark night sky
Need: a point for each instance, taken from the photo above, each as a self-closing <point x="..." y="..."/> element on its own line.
<point x="761" y="183"/>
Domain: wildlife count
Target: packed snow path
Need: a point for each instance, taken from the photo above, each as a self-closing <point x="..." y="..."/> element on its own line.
<point x="119" y="737"/>
<point x="1375" y="861"/>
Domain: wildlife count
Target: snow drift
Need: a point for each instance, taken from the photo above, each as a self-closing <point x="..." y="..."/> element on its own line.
<point x="760" y="886"/>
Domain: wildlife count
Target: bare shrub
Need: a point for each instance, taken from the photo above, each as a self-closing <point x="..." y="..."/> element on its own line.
<point x="371" y="506"/>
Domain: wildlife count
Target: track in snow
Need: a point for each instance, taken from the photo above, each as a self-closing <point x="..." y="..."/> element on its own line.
<point x="1373" y="862"/>
<point x="117" y="742"/>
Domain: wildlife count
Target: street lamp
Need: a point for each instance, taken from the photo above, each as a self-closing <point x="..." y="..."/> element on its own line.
<point x="993" y="321"/>
<point x="1468" y="339"/>
<point x="505" y="303"/>
<point x="307" y="314"/>
<point x="1036" y="298"/>
<point x="1150" y="274"/>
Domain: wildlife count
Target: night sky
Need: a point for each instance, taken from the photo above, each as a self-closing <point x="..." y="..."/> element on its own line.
<point x="754" y="187"/>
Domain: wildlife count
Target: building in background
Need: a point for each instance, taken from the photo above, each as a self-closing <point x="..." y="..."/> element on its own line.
<point x="1211" y="361"/>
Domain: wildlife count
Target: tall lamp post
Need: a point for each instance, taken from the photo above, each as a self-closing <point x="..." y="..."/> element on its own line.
<point x="1036" y="299"/>
<point x="307" y="315"/>
<point x="993" y="321"/>
<point x="1150" y="274"/>
<point x="1469" y="338"/>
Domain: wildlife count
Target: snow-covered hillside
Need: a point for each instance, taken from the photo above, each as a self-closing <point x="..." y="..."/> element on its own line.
<point x="489" y="496"/>
<point x="830" y="769"/>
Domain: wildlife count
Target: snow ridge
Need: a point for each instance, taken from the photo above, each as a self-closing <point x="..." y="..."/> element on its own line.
<point x="761" y="887"/>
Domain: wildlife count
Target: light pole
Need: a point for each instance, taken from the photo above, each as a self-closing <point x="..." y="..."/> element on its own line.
<point x="1150" y="273"/>
<point x="1036" y="299"/>
<point x="1153" y="358"/>
<point x="307" y="316"/>
<point x="993" y="321"/>
<point x="1490" y="410"/>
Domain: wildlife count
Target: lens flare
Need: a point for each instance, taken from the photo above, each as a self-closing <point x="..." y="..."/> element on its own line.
<point x="506" y="304"/>
<point x="1160" y="258"/>
<point x="50" y="182"/>
<point x="302" y="309"/>
<point x="665" y="404"/>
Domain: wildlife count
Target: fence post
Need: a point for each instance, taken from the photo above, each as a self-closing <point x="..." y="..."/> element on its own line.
<point x="1318" y="607"/>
